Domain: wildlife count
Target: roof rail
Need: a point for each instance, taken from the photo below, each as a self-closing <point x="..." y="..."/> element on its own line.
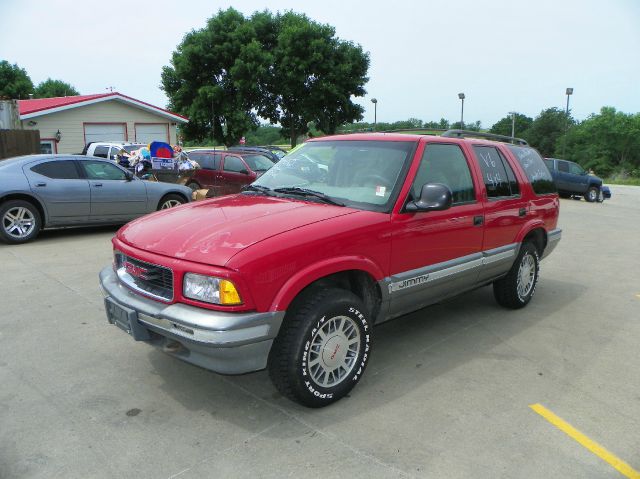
<point x="487" y="136"/>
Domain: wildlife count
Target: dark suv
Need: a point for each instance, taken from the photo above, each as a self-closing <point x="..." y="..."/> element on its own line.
<point x="573" y="181"/>
<point x="226" y="172"/>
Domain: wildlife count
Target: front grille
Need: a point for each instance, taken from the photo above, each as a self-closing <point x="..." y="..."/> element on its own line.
<point x="147" y="278"/>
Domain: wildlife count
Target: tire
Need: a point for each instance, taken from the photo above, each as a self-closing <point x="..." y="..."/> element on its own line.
<point x="592" y="194"/>
<point x="20" y="221"/>
<point x="170" y="201"/>
<point x="600" y="196"/>
<point x="516" y="289"/>
<point x="322" y="349"/>
<point x="193" y="185"/>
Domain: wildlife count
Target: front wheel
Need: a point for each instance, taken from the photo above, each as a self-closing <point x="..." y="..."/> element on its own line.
<point x="21" y="221"/>
<point x="169" y="201"/>
<point x="516" y="289"/>
<point x="322" y="348"/>
<point x="592" y="194"/>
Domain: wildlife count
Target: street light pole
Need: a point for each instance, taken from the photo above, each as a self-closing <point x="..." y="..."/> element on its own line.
<point x="461" y="96"/>
<point x="375" y="112"/>
<point x="566" y="122"/>
<point x="513" y="124"/>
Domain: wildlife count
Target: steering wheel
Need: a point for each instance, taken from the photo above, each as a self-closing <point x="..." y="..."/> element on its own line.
<point x="373" y="179"/>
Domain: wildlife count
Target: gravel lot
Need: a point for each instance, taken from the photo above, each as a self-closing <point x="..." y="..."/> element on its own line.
<point x="446" y="395"/>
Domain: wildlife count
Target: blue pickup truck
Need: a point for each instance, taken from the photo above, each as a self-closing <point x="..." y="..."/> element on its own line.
<point x="573" y="181"/>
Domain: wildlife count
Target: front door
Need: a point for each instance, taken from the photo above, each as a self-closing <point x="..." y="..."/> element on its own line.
<point x="436" y="254"/>
<point x="113" y="196"/>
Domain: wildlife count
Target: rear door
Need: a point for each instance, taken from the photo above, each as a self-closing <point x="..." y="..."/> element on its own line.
<point x="505" y="210"/>
<point x="60" y="186"/>
<point x="113" y="196"/>
<point x="234" y="175"/>
<point x="207" y="175"/>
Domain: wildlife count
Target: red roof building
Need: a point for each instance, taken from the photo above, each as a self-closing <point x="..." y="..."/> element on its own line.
<point x="66" y="124"/>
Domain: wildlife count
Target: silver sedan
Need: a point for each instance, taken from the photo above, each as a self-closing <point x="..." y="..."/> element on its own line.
<point x="48" y="191"/>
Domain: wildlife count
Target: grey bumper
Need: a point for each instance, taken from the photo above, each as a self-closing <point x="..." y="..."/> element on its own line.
<point x="553" y="238"/>
<point x="227" y="343"/>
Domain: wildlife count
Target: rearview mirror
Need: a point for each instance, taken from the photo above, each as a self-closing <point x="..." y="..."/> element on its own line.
<point x="433" y="197"/>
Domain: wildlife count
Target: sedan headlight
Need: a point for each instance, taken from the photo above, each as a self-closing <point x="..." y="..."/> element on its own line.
<point x="210" y="289"/>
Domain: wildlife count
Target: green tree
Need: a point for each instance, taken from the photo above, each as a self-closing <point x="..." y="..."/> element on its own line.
<point x="503" y="126"/>
<point x="14" y="81"/>
<point x="311" y="76"/>
<point x="205" y="79"/>
<point x="53" y="88"/>
<point x="547" y="130"/>
<point x="606" y="142"/>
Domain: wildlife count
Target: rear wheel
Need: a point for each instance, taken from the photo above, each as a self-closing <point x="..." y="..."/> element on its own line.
<point x="169" y="201"/>
<point x="592" y="194"/>
<point x="193" y="185"/>
<point x="322" y="349"/>
<point x="516" y="289"/>
<point x="21" y="221"/>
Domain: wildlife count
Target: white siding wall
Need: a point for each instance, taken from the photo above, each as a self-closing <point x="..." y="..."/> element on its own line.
<point x="70" y="122"/>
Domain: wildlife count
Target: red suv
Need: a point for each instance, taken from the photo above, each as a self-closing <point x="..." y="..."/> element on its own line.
<point x="226" y="172"/>
<point x="340" y="235"/>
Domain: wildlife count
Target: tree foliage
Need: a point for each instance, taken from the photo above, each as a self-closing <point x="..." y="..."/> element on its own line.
<point x="547" y="129"/>
<point x="283" y="67"/>
<point x="504" y="126"/>
<point x="15" y="84"/>
<point x="606" y="142"/>
<point x="53" y="88"/>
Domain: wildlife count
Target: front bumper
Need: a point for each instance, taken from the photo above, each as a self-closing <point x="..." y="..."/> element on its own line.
<point x="227" y="343"/>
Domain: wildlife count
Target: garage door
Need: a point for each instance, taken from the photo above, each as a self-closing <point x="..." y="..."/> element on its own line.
<point x="104" y="132"/>
<point x="146" y="133"/>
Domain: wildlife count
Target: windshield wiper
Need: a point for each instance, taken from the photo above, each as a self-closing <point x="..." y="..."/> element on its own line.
<point x="295" y="190"/>
<point x="259" y="188"/>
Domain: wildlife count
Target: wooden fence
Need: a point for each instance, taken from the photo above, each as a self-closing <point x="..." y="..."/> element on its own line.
<point x="19" y="142"/>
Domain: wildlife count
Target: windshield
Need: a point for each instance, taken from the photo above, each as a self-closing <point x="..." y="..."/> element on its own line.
<point x="360" y="174"/>
<point x="258" y="162"/>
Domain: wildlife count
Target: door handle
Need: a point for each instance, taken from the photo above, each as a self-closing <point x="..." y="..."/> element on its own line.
<point x="478" y="220"/>
<point x="522" y="211"/>
<point x="42" y="183"/>
<point x="97" y="185"/>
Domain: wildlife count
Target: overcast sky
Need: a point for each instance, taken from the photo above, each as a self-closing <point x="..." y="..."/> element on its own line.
<point x="504" y="55"/>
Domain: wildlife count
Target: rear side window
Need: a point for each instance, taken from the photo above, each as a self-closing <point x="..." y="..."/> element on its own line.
<point x="497" y="174"/>
<point x="59" y="170"/>
<point x="233" y="163"/>
<point x="207" y="161"/>
<point x="563" y="166"/>
<point x="101" y="151"/>
<point x="535" y="169"/>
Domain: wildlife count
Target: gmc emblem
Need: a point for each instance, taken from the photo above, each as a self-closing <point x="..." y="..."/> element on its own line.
<point x="134" y="270"/>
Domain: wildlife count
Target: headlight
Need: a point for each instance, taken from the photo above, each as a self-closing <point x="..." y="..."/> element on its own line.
<point x="210" y="289"/>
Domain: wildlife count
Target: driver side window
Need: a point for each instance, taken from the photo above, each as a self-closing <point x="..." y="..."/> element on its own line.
<point x="446" y="164"/>
<point x="102" y="170"/>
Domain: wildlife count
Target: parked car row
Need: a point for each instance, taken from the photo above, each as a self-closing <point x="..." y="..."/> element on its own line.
<point x="46" y="191"/>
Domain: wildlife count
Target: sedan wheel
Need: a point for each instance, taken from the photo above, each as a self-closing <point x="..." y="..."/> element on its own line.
<point x="170" y="201"/>
<point x="20" y="221"/>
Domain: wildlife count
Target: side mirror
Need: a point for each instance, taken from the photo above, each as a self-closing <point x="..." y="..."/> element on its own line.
<point x="433" y="197"/>
<point x="244" y="172"/>
<point x="128" y="175"/>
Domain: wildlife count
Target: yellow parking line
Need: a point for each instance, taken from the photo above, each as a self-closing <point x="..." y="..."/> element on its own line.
<point x="617" y="463"/>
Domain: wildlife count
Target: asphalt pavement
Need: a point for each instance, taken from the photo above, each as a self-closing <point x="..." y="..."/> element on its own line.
<point x="448" y="392"/>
